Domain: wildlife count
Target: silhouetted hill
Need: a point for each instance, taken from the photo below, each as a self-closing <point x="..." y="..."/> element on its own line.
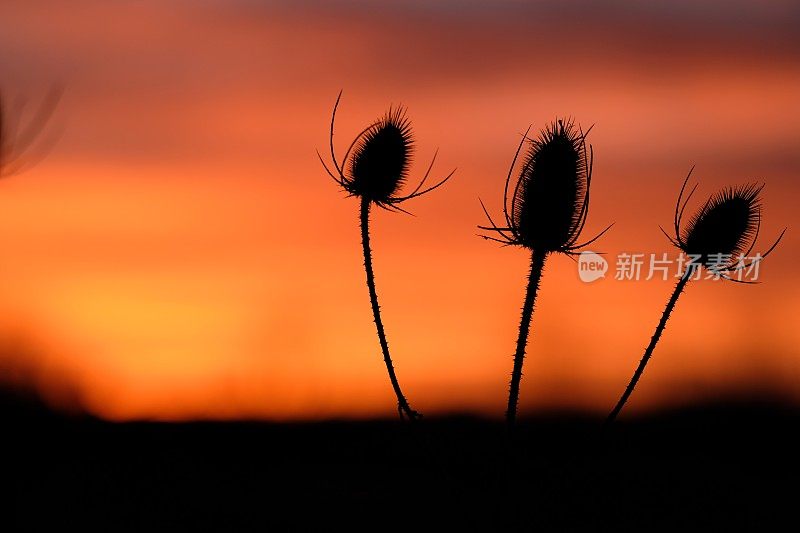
<point x="720" y="468"/>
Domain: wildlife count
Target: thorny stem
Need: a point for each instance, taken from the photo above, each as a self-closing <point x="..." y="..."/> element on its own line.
<point x="403" y="407"/>
<point x="649" y="351"/>
<point x="537" y="265"/>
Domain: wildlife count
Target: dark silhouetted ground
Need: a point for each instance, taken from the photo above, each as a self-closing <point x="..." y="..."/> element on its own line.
<point x="724" y="468"/>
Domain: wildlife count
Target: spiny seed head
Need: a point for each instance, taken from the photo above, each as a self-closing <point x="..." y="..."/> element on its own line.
<point x="375" y="166"/>
<point x="550" y="202"/>
<point x="549" y="197"/>
<point x="21" y="144"/>
<point x="723" y="233"/>
<point x="379" y="165"/>
<point x="726" y="225"/>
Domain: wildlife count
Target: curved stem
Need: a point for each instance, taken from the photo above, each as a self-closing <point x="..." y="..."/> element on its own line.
<point x="402" y="404"/>
<point x="653" y="341"/>
<point x="537" y="265"/>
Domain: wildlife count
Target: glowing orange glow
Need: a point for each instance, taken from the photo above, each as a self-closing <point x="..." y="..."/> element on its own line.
<point x="181" y="253"/>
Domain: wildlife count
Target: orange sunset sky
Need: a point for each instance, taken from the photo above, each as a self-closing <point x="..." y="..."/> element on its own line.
<point x="180" y="253"/>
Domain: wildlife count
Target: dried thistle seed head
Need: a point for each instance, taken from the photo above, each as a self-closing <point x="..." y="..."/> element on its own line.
<point x="375" y="166"/>
<point x="379" y="165"/>
<point x="726" y="225"/>
<point x="548" y="201"/>
<point x="21" y="142"/>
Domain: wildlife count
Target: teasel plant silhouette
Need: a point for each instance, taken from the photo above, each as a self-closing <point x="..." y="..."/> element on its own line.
<point x="545" y="213"/>
<point x="719" y="238"/>
<point x="23" y="143"/>
<point x="374" y="168"/>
